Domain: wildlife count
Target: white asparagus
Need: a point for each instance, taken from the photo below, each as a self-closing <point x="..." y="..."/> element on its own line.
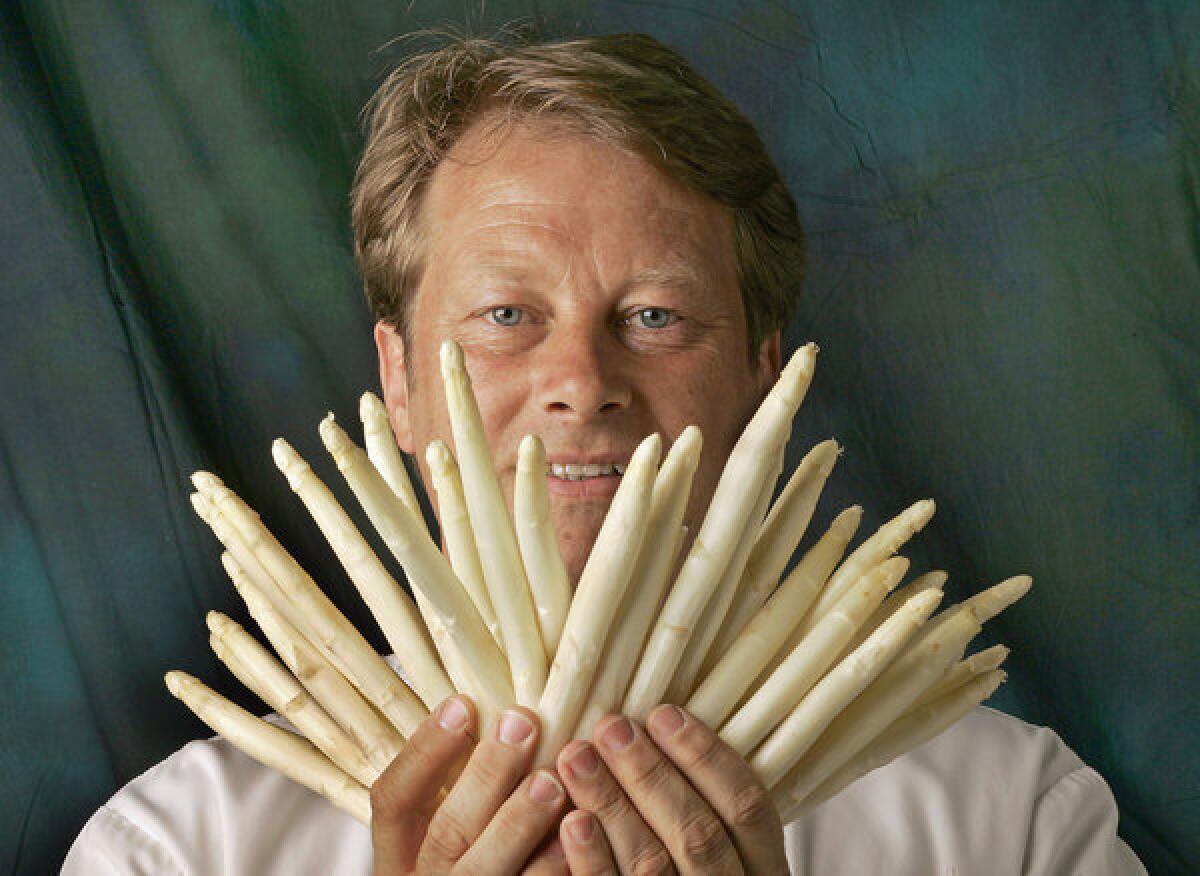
<point x="695" y="653"/>
<point x="383" y="451"/>
<point x="881" y="703"/>
<point x="781" y="533"/>
<point x="763" y="637"/>
<point x="457" y="538"/>
<point x="962" y="673"/>
<point x="471" y="657"/>
<point x="375" y="737"/>
<point x="356" y="659"/>
<point x="602" y="583"/>
<point x="272" y="746"/>
<point x="929" y="581"/>
<point x="810" y="659"/>
<point x="912" y="730"/>
<point x="543" y="562"/>
<point x="389" y="604"/>
<point x="494" y="536"/>
<point x="886" y="541"/>
<point x="983" y="606"/>
<point x="750" y="463"/>
<point x="648" y="585"/>
<point x="232" y="540"/>
<point x="990" y="602"/>
<point x="259" y="670"/>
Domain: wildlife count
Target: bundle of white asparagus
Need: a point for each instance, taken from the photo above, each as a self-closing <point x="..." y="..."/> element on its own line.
<point x="816" y="679"/>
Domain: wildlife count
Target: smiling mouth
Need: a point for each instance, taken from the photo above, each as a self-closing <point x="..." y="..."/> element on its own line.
<point x="578" y="472"/>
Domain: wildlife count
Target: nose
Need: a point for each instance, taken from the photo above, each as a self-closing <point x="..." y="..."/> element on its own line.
<point x="580" y="373"/>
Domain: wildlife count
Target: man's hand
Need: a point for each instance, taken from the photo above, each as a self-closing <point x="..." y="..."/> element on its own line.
<point x="669" y="797"/>
<point x="496" y="817"/>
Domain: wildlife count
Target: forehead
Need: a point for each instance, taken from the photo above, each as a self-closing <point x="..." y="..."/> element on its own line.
<point x="538" y="189"/>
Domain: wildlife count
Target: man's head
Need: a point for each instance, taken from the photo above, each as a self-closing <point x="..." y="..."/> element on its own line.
<point x="602" y="232"/>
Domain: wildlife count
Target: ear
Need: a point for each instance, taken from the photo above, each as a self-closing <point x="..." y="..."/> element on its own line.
<point x="768" y="362"/>
<point x="393" y="377"/>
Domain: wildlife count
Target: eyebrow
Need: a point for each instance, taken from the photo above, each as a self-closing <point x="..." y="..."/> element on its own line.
<point x="679" y="274"/>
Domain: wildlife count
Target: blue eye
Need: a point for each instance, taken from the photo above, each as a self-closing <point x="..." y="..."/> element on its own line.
<point x="655" y="317"/>
<point x="507" y="316"/>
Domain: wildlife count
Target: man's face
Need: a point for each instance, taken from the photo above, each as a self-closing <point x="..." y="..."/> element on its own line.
<point x="596" y="302"/>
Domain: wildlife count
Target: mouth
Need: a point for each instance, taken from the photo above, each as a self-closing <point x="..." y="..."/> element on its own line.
<point x="571" y="471"/>
<point x="584" y="480"/>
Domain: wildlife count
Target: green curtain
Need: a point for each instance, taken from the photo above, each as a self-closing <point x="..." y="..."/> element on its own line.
<point x="1005" y="241"/>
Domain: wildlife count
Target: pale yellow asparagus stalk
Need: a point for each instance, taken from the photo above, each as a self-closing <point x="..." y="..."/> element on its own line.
<point x="886" y="541"/>
<point x="983" y="606"/>
<point x="763" y="637"/>
<point x="233" y="541"/>
<point x="543" y="562"/>
<point x="259" y="670"/>
<point x="471" y="657"/>
<point x="374" y="736"/>
<point x="272" y="746"/>
<point x="962" y="673"/>
<point x="457" y="538"/>
<point x="383" y="451"/>
<point x="929" y="581"/>
<point x="990" y="602"/>
<point x="494" y="537"/>
<point x="747" y="469"/>
<point x="883" y="701"/>
<point x="781" y="533"/>
<point x="803" y="668"/>
<point x="356" y="659"/>
<point x="648" y="585"/>
<point x="602" y="583"/>
<point x="695" y="653"/>
<point x="389" y="604"/>
<point x="916" y="727"/>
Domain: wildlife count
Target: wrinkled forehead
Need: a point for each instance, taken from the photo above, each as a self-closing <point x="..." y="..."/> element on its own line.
<point x="527" y="191"/>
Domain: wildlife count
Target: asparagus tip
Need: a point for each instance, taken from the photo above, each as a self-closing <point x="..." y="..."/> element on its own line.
<point x="333" y="436"/>
<point x="219" y="624"/>
<point x="285" y="456"/>
<point x="206" y="481"/>
<point x="175" y="681"/>
<point x="201" y="506"/>
<point x="438" y="456"/>
<point x="452" y="357"/>
<point x="369" y="406"/>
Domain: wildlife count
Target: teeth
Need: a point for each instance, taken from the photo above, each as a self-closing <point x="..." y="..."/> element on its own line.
<point x="575" y="472"/>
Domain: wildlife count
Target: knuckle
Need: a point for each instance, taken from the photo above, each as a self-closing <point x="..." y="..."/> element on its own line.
<point x="653" y="860"/>
<point x="704" y="748"/>
<point x="487" y="768"/>
<point x="752" y="805"/>
<point x="703" y="840"/>
<point x="447" y="838"/>
<point x="652" y="775"/>
<point x="612" y="807"/>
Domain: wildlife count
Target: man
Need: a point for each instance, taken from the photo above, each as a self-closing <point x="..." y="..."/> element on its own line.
<point x="607" y="239"/>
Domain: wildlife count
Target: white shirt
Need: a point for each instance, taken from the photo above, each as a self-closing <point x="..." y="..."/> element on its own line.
<point x="991" y="795"/>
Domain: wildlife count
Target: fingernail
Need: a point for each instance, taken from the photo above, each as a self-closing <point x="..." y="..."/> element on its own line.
<point x="453" y="714"/>
<point x="545" y="789"/>
<point x="666" y="720"/>
<point x="618" y="735"/>
<point x="514" y="728"/>
<point x="583" y="763"/>
<point x="582" y="828"/>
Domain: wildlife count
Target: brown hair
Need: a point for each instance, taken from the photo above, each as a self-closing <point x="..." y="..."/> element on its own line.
<point x="626" y="89"/>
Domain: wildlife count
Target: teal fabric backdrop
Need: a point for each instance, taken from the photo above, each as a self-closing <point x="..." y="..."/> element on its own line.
<point x="1005" y="240"/>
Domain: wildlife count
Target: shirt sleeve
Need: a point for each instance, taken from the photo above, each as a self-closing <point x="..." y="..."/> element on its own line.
<point x="112" y="844"/>
<point x="1074" y="831"/>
